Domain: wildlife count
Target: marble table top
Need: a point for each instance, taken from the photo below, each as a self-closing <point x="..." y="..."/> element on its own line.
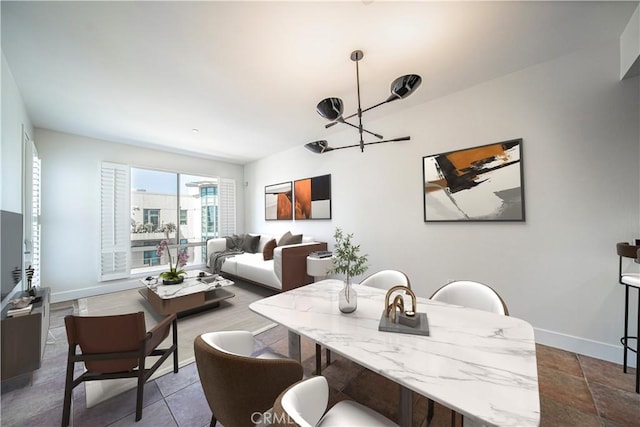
<point x="480" y="364"/>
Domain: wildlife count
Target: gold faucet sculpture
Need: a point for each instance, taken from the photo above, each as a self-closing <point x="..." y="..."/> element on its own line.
<point x="398" y="303"/>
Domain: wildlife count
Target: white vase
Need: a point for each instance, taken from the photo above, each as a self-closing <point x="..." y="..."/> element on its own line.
<point x="347" y="298"/>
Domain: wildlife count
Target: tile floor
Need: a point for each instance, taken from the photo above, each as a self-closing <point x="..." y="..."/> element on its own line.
<point x="575" y="390"/>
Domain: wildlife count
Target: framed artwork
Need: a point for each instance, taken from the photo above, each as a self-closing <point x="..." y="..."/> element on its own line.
<point x="482" y="183"/>
<point x="313" y="198"/>
<point x="278" y="202"/>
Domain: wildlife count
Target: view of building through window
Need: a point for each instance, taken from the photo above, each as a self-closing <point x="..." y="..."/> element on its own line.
<point x="180" y="208"/>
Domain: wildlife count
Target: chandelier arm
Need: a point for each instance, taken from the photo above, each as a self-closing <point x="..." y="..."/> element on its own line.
<point x="402" y="138"/>
<point x="363" y="130"/>
<point x="328" y="125"/>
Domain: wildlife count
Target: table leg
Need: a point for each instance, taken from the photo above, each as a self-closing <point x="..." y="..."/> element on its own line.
<point x="294" y="346"/>
<point x="406" y="407"/>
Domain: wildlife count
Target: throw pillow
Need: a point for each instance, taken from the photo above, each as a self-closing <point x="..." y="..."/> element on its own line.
<point x="250" y="243"/>
<point x="284" y="238"/>
<point x="291" y="240"/>
<point x="267" y="253"/>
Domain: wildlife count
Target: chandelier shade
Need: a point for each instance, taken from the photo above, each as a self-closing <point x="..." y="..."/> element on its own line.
<point x="332" y="109"/>
<point x="404" y="86"/>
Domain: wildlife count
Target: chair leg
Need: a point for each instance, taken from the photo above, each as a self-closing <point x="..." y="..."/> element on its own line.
<point x="140" y="392"/>
<point x="68" y="389"/>
<point x="318" y="359"/>
<point x="213" y="421"/>
<point x="175" y="342"/>
<point x="328" y="357"/>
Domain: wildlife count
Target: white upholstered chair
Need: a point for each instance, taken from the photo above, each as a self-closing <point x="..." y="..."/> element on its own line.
<point x="470" y="294"/>
<point x="305" y="404"/>
<point x="386" y="279"/>
<point x="383" y="279"/>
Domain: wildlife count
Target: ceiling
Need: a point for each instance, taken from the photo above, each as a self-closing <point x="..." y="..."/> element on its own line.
<point x="248" y="75"/>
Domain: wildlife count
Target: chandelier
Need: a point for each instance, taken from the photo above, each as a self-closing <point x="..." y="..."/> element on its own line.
<point x="333" y="108"/>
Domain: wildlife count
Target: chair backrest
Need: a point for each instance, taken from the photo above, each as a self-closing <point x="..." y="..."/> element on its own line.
<point x="626" y="250"/>
<point x="304" y="402"/>
<point x="473" y="295"/>
<point x="386" y="279"/>
<point x="107" y="334"/>
<point x="235" y="342"/>
<point x="238" y="387"/>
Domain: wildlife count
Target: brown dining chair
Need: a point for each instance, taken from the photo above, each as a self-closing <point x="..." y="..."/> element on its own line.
<point x="116" y="347"/>
<point x="239" y="387"/>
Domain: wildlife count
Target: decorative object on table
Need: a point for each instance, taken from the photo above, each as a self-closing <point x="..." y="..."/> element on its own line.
<point x="21" y="302"/>
<point x="312" y="198"/>
<point x="475" y="184"/>
<point x="332" y="109"/>
<point x="29" y="271"/>
<point x="347" y="261"/>
<point x="175" y="274"/>
<point x="278" y="201"/>
<point x="396" y="319"/>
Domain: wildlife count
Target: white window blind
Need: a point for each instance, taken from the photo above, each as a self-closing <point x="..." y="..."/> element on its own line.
<point x="115" y="232"/>
<point x="227" y="209"/>
<point x="35" y="215"/>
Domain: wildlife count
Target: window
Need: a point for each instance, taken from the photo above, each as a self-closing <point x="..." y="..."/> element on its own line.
<point x="151" y="258"/>
<point x="151" y="220"/>
<point x="142" y="207"/>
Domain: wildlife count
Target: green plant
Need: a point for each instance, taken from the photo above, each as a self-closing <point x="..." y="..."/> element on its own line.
<point x="174" y="273"/>
<point x="347" y="261"/>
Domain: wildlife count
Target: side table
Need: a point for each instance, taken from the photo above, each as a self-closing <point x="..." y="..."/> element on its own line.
<point x="629" y="280"/>
<point x="319" y="267"/>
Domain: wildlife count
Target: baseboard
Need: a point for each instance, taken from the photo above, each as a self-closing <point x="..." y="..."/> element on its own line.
<point x="112" y="286"/>
<point x="587" y="347"/>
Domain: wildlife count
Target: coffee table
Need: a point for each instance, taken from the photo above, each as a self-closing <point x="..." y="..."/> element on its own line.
<point x="194" y="294"/>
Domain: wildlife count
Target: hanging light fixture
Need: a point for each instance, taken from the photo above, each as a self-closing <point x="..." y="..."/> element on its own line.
<point x="332" y="109"/>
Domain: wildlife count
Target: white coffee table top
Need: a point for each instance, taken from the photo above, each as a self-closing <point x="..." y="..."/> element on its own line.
<point x="192" y="284"/>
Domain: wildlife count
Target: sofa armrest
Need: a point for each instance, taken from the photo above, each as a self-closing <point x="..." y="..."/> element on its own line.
<point x="218" y="244"/>
<point x="290" y="263"/>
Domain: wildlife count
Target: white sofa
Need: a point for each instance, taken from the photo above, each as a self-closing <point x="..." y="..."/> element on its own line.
<point x="287" y="269"/>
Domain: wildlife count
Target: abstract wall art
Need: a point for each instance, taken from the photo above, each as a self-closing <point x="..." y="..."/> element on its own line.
<point x="278" y="203"/>
<point x="313" y="198"/>
<point x="482" y="183"/>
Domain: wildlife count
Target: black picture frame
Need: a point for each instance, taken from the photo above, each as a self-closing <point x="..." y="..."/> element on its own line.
<point x="482" y="183"/>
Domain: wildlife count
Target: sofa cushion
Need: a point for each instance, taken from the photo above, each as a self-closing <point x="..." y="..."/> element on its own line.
<point x="290" y="240"/>
<point x="250" y="243"/>
<point x="267" y="252"/>
<point x="284" y="238"/>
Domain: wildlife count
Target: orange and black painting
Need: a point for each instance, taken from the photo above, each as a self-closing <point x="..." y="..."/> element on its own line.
<point x="278" y="201"/>
<point x="313" y="198"/>
<point x="475" y="184"/>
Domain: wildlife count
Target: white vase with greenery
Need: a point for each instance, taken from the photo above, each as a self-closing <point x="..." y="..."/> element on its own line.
<point x="347" y="261"/>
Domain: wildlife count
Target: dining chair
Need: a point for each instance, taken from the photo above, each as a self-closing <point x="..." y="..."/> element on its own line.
<point x="239" y="387"/>
<point x="384" y="279"/>
<point x="469" y="294"/>
<point x="113" y="347"/>
<point x="305" y="403"/>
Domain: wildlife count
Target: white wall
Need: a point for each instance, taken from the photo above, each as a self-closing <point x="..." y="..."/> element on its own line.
<point x="630" y="47"/>
<point x="581" y="150"/>
<point x="14" y="117"/>
<point x="14" y="120"/>
<point x="71" y="205"/>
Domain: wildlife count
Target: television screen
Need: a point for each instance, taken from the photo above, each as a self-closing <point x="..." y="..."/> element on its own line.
<point x="10" y="250"/>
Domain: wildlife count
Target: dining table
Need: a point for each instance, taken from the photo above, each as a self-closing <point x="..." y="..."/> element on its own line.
<point x="479" y="364"/>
